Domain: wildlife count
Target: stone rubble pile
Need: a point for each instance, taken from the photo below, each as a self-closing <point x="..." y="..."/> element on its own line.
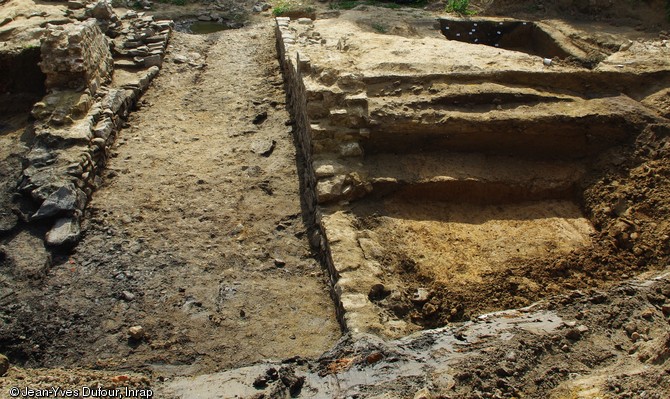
<point x="76" y="122"/>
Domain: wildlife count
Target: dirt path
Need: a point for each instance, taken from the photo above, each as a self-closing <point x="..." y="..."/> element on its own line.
<point x="195" y="235"/>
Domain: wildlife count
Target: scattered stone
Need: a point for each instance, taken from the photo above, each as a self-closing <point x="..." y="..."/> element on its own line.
<point x="648" y="314"/>
<point x="180" y="59"/>
<point x="666" y="310"/>
<point x="504" y="372"/>
<point x="351" y="150"/>
<point x="75" y="5"/>
<point x="625" y="46"/>
<point x="260" y="382"/>
<point x="422" y="295"/>
<point x="260" y="118"/>
<point x="64" y="199"/>
<point x="291" y="381"/>
<point x="237" y="230"/>
<point x="272" y="374"/>
<point x="260" y="7"/>
<point x="263" y="147"/>
<point x="630" y="328"/>
<point x="423" y="393"/>
<point x="279" y="262"/>
<point x="573" y="334"/>
<point x="128" y="296"/>
<point x="4" y="365"/>
<point x="136" y="332"/>
<point x="374" y="357"/>
<point x="66" y="231"/>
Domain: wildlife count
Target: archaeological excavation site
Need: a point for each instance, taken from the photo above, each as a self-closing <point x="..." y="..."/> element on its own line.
<point x="407" y="199"/>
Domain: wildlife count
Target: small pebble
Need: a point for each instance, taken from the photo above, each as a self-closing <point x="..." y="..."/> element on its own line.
<point x="136" y="332"/>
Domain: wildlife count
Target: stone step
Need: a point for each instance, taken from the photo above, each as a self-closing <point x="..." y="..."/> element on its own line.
<point x="564" y="129"/>
<point x="479" y="97"/>
<point x="585" y="83"/>
<point x="463" y="177"/>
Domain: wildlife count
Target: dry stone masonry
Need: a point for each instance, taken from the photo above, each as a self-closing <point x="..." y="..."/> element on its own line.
<point x="90" y="91"/>
<point x="76" y="56"/>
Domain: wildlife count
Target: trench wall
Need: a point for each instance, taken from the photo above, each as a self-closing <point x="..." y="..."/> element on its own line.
<point x="297" y="103"/>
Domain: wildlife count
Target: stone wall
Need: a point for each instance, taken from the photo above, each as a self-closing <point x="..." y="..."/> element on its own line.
<point x="297" y="101"/>
<point x="76" y="55"/>
<point x="77" y="121"/>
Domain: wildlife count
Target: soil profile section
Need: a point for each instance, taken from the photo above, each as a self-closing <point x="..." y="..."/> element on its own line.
<point x="429" y="176"/>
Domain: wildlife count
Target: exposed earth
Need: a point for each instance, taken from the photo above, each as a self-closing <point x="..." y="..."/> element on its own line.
<point x="203" y="271"/>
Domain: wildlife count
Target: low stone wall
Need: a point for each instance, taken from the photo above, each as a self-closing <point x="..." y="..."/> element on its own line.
<point x="77" y="121"/>
<point x="353" y="273"/>
<point x="297" y="101"/>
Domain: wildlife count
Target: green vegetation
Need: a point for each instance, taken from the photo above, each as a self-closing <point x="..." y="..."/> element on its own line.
<point x="381" y="28"/>
<point x="282" y="7"/>
<point x="349" y="4"/>
<point x="459" y="6"/>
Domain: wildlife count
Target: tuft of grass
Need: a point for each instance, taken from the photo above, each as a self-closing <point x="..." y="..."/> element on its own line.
<point x="381" y="28"/>
<point x="459" y="6"/>
<point x="282" y="7"/>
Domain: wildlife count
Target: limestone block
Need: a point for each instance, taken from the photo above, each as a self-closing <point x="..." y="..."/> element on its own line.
<point x="66" y="231"/>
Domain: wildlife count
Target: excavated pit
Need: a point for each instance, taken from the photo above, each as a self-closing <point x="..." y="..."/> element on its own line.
<point x="197" y="27"/>
<point x="523" y="36"/>
<point x="453" y="179"/>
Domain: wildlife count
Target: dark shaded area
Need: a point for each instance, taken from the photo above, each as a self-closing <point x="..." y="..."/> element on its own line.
<point x="521" y="36"/>
<point x="21" y="80"/>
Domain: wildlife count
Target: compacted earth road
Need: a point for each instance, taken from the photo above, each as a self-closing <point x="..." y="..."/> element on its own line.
<point x="196" y="235"/>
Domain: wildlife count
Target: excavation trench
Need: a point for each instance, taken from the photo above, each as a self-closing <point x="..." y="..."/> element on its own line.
<point x="526" y="37"/>
<point x="443" y="189"/>
<point x="196" y="27"/>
